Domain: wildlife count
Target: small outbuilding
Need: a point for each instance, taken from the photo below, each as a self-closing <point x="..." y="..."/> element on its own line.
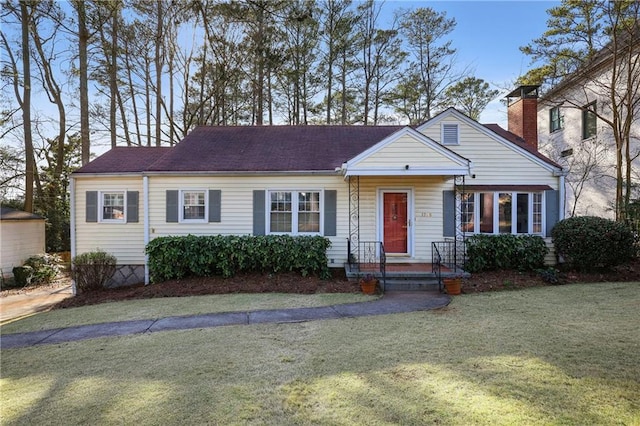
<point x="22" y="235"/>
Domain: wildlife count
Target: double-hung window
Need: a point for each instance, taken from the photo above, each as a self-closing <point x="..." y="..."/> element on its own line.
<point x="294" y="212"/>
<point x="502" y="212"/>
<point x="193" y="206"/>
<point x="589" y="121"/>
<point x="112" y="206"/>
<point x="556" y="121"/>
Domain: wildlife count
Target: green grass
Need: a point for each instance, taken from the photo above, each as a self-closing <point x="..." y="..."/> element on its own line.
<point x="173" y="306"/>
<point x="554" y="355"/>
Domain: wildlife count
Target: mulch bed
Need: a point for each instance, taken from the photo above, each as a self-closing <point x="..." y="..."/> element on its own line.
<point x="294" y="283"/>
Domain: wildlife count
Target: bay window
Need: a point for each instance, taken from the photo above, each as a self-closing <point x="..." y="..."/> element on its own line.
<point x="502" y="212"/>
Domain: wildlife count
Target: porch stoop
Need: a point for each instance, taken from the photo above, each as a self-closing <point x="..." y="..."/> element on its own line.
<point x="403" y="277"/>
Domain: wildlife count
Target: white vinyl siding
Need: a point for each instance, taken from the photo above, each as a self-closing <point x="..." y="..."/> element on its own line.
<point x="237" y="205"/>
<point x="495" y="163"/>
<point x="123" y="240"/>
<point x="406" y="151"/>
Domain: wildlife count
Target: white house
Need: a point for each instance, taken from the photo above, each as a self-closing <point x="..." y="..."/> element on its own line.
<point x="571" y="133"/>
<point x="21" y="236"/>
<point x="401" y="188"/>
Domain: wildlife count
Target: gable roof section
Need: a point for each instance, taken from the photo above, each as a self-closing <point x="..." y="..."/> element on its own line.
<point x="270" y="148"/>
<point x="407" y="152"/>
<point x="512" y="137"/>
<point x="498" y="134"/>
<point x="125" y="159"/>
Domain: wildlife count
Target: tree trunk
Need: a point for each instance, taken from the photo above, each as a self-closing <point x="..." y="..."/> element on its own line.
<point x="26" y="110"/>
<point x="83" y="41"/>
<point x="159" y="63"/>
<point x="113" y="76"/>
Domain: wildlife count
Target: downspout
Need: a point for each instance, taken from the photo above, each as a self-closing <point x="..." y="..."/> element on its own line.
<point x="145" y="202"/>
<point x="562" y="201"/>
<point x="72" y="233"/>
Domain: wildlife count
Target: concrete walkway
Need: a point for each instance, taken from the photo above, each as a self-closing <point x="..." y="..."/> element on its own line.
<point x="391" y="303"/>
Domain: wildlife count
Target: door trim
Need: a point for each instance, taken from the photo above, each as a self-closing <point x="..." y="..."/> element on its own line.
<point x="410" y="216"/>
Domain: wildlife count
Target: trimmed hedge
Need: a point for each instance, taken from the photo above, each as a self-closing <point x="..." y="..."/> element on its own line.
<point x="92" y="270"/>
<point x="178" y="257"/>
<point x="589" y="242"/>
<point x="505" y="251"/>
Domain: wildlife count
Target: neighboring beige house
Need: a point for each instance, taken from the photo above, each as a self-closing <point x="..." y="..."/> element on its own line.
<point x="397" y="190"/>
<point x="21" y="236"/>
<point x="575" y="137"/>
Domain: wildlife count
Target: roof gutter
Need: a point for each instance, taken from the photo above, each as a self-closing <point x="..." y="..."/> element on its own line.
<point x="243" y="173"/>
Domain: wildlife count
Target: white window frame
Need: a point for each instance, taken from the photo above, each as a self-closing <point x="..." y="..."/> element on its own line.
<point x="514" y="212"/>
<point x="442" y="133"/>
<point x="101" y="217"/>
<point x="181" y="217"/>
<point x="294" y="211"/>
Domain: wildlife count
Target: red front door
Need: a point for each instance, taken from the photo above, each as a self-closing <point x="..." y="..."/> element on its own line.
<point x="395" y="222"/>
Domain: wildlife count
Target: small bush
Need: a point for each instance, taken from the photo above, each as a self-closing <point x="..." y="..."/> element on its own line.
<point x="587" y="242"/>
<point x="177" y="257"/>
<point x="92" y="270"/>
<point x="46" y="268"/>
<point x="505" y="251"/>
<point x="22" y="275"/>
<point x="549" y="275"/>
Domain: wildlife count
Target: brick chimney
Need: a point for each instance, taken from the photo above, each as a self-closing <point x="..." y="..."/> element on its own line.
<point x="522" y="114"/>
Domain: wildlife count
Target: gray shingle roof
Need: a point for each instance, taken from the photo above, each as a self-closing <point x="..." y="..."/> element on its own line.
<point x="7" y="213"/>
<point x="257" y="149"/>
<point x="270" y="148"/>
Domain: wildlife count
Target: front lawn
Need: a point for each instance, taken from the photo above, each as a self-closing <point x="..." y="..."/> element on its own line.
<point x="550" y="355"/>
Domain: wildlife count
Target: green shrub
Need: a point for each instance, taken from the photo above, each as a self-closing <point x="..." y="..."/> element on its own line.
<point x="22" y="275"/>
<point x="178" y="257"/>
<point x="588" y="242"/>
<point x="505" y="251"/>
<point x="92" y="270"/>
<point x="46" y="267"/>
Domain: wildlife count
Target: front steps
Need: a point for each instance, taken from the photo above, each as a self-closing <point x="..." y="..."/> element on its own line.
<point x="408" y="280"/>
<point x="411" y="284"/>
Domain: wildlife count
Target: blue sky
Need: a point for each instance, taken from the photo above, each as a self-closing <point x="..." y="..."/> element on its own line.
<point x="488" y="35"/>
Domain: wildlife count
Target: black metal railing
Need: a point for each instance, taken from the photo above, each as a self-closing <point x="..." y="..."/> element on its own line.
<point x="451" y="254"/>
<point x="383" y="266"/>
<point x="436" y="264"/>
<point x="368" y="256"/>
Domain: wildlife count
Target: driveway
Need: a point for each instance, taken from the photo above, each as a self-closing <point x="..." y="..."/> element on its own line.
<point x="27" y="302"/>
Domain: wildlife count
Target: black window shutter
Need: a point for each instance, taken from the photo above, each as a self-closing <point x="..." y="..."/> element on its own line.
<point x="91" y="209"/>
<point x="259" y="212"/>
<point x="172" y="206"/>
<point x="552" y="203"/>
<point x="215" y="199"/>
<point x="330" y="212"/>
<point x="448" y="214"/>
<point x="132" y="206"/>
